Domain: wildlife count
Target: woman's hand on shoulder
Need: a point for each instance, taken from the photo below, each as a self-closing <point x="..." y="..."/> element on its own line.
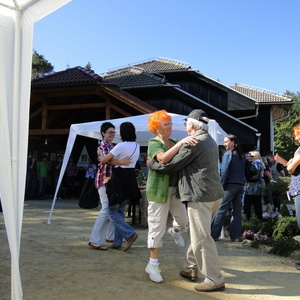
<point x="190" y="140"/>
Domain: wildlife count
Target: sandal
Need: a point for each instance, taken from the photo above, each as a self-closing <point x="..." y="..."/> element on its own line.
<point x="97" y="247"/>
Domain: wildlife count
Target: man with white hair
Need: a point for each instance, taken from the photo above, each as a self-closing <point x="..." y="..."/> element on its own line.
<point x="200" y="187"/>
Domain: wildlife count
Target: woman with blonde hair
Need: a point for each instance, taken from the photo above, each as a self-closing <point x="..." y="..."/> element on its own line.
<point x="161" y="190"/>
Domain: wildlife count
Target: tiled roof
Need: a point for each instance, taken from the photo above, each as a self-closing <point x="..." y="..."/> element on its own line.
<point x="261" y="95"/>
<point x="77" y="75"/>
<point x="163" y="65"/>
<point x="133" y="76"/>
<point x="148" y="73"/>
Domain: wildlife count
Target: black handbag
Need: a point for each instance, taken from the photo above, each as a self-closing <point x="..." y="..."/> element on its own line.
<point x="251" y="172"/>
<point x="89" y="196"/>
<point x="114" y="190"/>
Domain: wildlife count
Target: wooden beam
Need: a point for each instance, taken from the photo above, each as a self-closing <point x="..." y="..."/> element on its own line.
<point x="76" y="106"/>
<point x="122" y="111"/>
<point x="64" y="91"/>
<point x="44" y="116"/>
<point x="36" y="113"/>
<point x="130" y="100"/>
<point x="49" y="131"/>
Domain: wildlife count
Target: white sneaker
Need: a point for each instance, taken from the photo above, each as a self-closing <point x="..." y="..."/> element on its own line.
<point x="154" y="273"/>
<point x="178" y="239"/>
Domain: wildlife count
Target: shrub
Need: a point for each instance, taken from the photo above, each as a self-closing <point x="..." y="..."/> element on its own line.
<point x="283" y="246"/>
<point x="267" y="227"/>
<point x="285" y="227"/>
<point x="284" y="211"/>
<point x="261" y="227"/>
<point x="275" y="233"/>
<point x="253" y="224"/>
<point x="280" y="188"/>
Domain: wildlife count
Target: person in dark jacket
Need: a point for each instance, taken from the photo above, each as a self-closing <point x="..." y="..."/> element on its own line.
<point x="233" y="179"/>
<point x="200" y="187"/>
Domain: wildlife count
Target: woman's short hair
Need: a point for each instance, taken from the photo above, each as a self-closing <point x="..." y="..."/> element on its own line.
<point x="156" y="118"/>
<point x="127" y="132"/>
<point x="105" y="126"/>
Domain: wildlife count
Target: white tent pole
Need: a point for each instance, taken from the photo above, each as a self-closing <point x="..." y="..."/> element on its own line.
<point x="16" y="285"/>
<point x="16" y="31"/>
<point x="70" y="143"/>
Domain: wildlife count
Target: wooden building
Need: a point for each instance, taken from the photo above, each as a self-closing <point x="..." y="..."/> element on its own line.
<point x="79" y="95"/>
<point x="176" y="87"/>
<point x="75" y="95"/>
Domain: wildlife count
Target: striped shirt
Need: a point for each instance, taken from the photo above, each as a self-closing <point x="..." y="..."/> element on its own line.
<point x="104" y="170"/>
<point x="70" y="169"/>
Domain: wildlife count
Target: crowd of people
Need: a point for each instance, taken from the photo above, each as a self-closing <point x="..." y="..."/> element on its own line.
<point x="187" y="180"/>
<point x="42" y="178"/>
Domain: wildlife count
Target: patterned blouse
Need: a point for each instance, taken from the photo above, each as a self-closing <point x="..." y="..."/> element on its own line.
<point x="295" y="180"/>
<point x="104" y="170"/>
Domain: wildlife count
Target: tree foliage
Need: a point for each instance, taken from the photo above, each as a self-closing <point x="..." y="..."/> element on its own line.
<point x="88" y="66"/>
<point x="284" y="140"/>
<point x="40" y="66"/>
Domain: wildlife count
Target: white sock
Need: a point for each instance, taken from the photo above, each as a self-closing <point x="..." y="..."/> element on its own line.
<point x="176" y="232"/>
<point x="153" y="261"/>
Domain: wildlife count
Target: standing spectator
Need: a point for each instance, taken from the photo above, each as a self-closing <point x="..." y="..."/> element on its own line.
<point x="277" y="171"/>
<point x="57" y="172"/>
<point x="200" y="187"/>
<point x="42" y="174"/>
<point x="90" y="169"/>
<point x="254" y="188"/>
<point x="233" y="180"/>
<point x="128" y="148"/>
<point x="267" y="194"/>
<point x="162" y="192"/>
<point x="30" y="177"/>
<point x="71" y="172"/>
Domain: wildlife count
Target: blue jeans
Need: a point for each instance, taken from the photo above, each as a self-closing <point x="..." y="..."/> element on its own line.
<point x="233" y="193"/>
<point x="297" y="208"/>
<point x="42" y="186"/>
<point x="122" y="228"/>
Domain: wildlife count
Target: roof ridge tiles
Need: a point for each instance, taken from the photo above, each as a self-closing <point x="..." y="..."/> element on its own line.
<point x="75" y="75"/>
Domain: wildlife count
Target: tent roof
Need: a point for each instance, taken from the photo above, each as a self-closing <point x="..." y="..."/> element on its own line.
<point x="92" y="129"/>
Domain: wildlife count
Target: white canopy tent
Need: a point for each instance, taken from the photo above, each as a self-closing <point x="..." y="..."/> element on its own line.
<point x="92" y="130"/>
<point x="16" y="33"/>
